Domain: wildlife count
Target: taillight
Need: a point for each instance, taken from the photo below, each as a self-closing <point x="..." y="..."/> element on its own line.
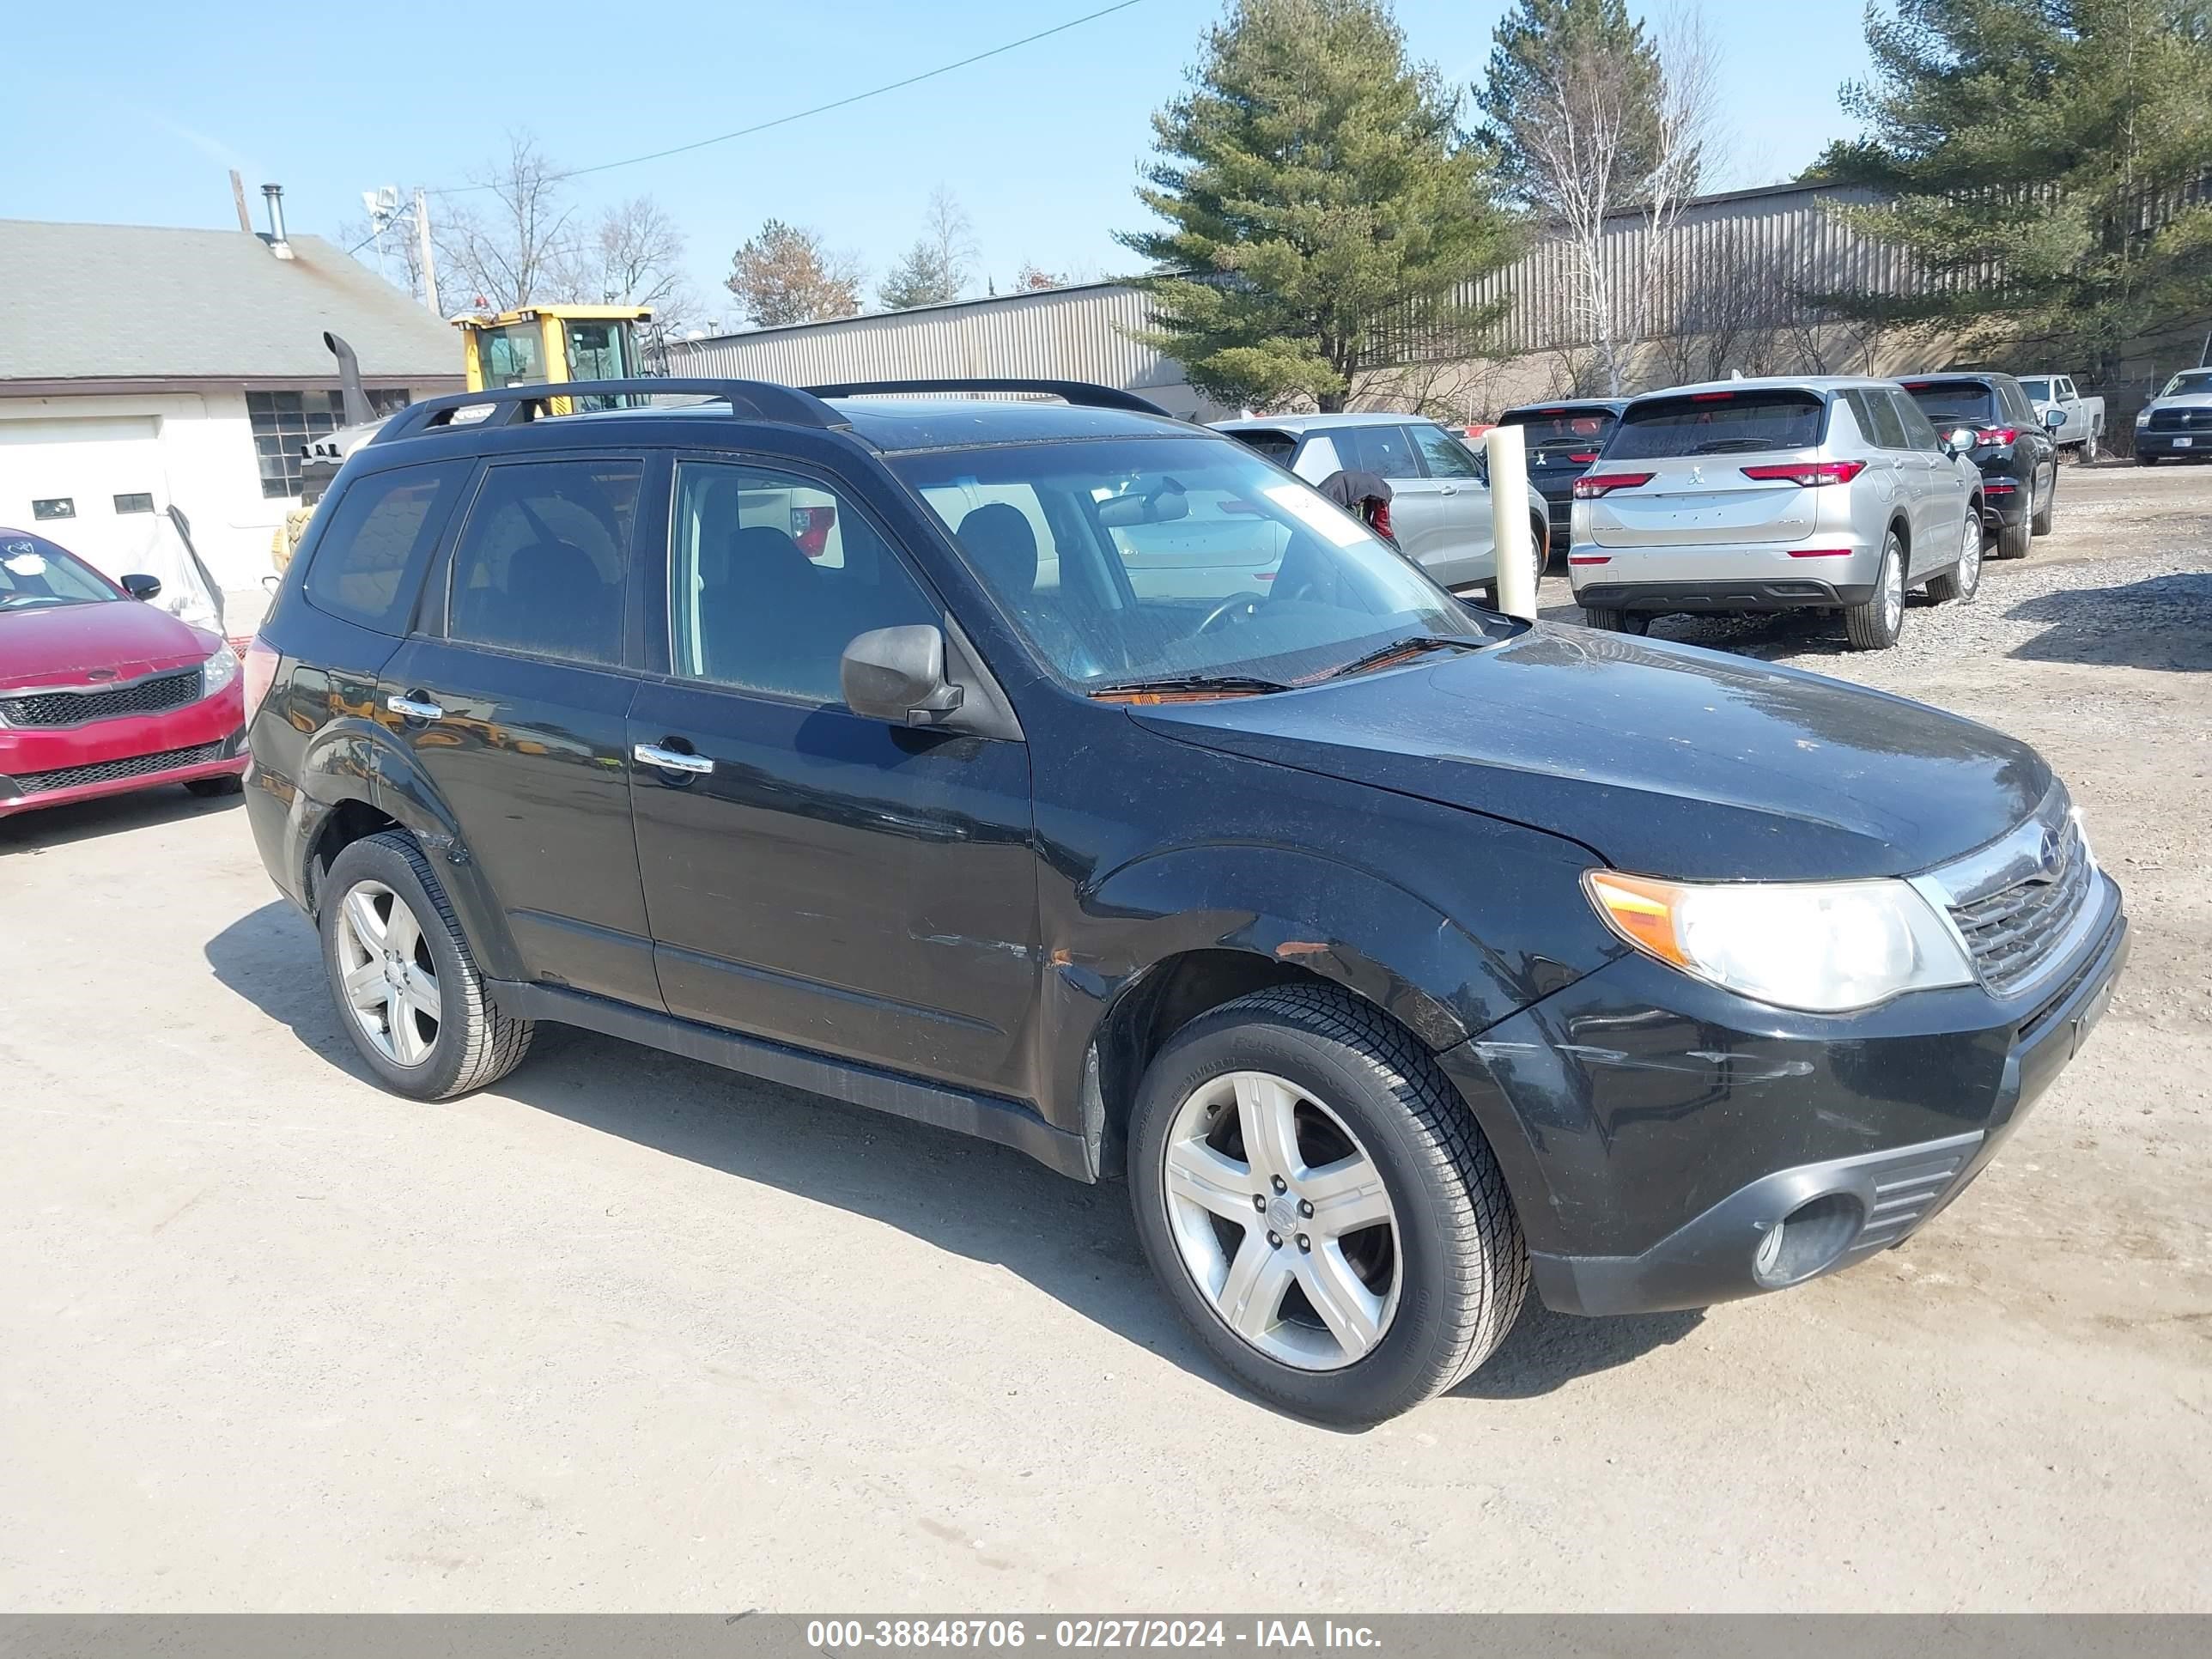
<point x="260" y="671"/>
<point x="1591" y="485"/>
<point x="1998" y="434"/>
<point x="811" y="527"/>
<point x="1808" y="473"/>
<point x="1583" y="460"/>
<point x="1379" y="518"/>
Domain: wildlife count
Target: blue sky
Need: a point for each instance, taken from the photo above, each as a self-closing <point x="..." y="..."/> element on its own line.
<point x="135" y="109"/>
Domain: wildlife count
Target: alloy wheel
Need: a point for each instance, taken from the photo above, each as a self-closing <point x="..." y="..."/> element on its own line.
<point x="1282" y="1220"/>
<point x="1970" y="558"/>
<point x="1893" y="590"/>
<point x="391" y="978"/>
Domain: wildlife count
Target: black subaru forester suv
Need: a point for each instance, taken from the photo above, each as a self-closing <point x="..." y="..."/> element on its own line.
<point x="1070" y="776"/>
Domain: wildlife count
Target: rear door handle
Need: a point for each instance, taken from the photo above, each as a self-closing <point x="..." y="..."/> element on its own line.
<point x="672" y="760"/>
<point x="414" y="708"/>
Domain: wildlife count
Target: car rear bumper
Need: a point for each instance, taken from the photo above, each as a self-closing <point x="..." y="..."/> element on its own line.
<point x="1655" y="1138"/>
<point x="1826" y="569"/>
<point x="42" y="767"/>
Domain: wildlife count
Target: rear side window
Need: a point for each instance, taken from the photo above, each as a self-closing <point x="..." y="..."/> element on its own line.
<point x="1877" y="418"/>
<point x="1277" y="447"/>
<point x="381" y="530"/>
<point x="1718" y="423"/>
<point x="1582" y="428"/>
<point x="1387" y="450"/>
<point x="544" y="562"/>
<point x="1919" y="431"/>
<point x="1955" y="403"/>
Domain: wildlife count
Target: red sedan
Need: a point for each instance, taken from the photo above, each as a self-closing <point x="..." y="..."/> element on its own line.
<point x="99" y="694"/>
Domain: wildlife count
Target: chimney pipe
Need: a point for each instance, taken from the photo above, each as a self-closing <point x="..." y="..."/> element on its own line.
<point x="274" y="195"/>
<point x="357" y="409"/>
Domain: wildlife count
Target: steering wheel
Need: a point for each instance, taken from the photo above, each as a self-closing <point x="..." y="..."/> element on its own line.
<point x="1238" y="607"/>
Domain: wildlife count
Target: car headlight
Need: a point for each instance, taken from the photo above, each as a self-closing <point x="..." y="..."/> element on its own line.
<point x="218" y="671"/>
<point x="1826" y="947"/>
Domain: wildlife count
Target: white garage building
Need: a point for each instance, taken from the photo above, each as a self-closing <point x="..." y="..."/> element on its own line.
<point x="143" y="368"/>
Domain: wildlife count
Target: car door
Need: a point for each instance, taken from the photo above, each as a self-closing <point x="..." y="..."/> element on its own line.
<point x="1942" y="512"/>
<point x="1900" y="474"/>
<point x="513" y="696"/>
<point x="812" y="876"/>
<point x="1457" y="474"/>
<point x="2032" y="440"/>
<point x="1423" y="512"/>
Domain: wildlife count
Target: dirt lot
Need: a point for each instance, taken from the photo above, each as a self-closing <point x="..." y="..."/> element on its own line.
<point x="627" y="1332"/>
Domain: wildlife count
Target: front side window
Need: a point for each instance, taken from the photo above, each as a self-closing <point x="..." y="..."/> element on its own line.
<point x="544" y="562"/>
<point x="380" y="533"/>
<point x="35" y="574"/>
<point x="1446" y="456"/>
<point x="1177" y="558"/>
<point x="1877" y="417"/>
<point x="1718" y="423"/>
<point x="774" y="574"/>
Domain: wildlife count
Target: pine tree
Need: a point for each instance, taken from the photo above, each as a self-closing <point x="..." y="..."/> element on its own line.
<point x="1315" y="186"/>
<point x="2051" y="167"/>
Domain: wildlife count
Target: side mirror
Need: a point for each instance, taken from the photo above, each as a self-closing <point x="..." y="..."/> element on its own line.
<point x="1960" y="440"/>
<point x="2053" y="419"/>
<point x="142" y="588"/>
<point x="897" y="674"/>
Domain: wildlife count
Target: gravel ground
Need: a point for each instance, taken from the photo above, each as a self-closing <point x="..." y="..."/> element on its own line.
<point x="629" y="1333"/>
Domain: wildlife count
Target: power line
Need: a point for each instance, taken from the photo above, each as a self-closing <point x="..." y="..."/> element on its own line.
<point x="819" y="109"/>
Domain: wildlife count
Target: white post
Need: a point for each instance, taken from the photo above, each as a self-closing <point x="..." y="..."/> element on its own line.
<point x="1515" y="582"/>
<point x="429" y="259"/>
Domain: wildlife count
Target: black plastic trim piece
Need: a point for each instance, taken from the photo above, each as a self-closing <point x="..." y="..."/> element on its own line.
<point x="763" y="400"/>
<point x="1779" y="594"/>
<point x="987" y="1117"/>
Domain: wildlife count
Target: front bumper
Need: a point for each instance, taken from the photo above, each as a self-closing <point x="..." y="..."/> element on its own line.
<point x="53" y="765"/>
<point x="1655" y="1130"/>
<point x="2156" y="446"/>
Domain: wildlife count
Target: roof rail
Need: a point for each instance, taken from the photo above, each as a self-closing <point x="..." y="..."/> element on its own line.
<point x="760" y="400"/>
<point x="1082" y="393"/>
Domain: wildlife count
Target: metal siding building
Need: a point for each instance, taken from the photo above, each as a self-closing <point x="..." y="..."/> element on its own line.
<point x="1070" y="333"/>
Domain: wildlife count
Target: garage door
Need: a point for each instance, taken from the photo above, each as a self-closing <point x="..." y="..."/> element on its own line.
<point x="92" y="484"/>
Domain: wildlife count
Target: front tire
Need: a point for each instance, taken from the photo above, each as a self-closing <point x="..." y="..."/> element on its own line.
<point x="1875" y="625"/>
<point x="1321" y="1208"/>
<point x="407" y="991"/>
<point x="1964" y="579"/>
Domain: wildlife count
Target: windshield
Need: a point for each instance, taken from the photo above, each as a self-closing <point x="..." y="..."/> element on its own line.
<point x="34" y="574"/>
<point x="1583" y="430"/>
<point x="2190" y="383"/>
<point x="1133" y="560"/>
<point x="1717" y="423"/>
<point x="1941" y="401"/>
<point x="2038" y="390"/>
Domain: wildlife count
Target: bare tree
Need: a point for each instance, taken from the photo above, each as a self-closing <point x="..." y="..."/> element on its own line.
<point x="515" y="241"/>
<point x="634" y="255"/>
<point x="1033" y="278"/>
<point x="785" y="274"/>
<point x="387" y="240"/>
<point x="939" y="265"/>
<point x="1686" y="135"/>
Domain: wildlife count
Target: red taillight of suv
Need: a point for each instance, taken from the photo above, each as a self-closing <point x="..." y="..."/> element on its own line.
<point x="811" y="527"/>
<point x="1591" y="485"/>
<point x="1808" y="473"/>
<point x="1998" y="434"/>
<point x="260" y="673"/>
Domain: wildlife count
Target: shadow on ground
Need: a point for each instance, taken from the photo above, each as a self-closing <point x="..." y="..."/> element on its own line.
<point x="48" y="827"/>
<point x="1075" y="1242"/>
<point x="2162" y="622"/>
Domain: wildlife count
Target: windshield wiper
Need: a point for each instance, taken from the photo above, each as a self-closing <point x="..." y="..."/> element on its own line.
<point x="1405" y="648"/>
<point x="1229" y="683"/>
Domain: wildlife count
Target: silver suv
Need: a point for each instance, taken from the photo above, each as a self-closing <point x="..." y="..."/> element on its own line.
<point x="1774" y="494"/>
<point x="1439" y="488"/>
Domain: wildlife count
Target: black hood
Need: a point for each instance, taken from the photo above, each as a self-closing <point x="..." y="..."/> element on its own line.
<point x="1663" y="759"/>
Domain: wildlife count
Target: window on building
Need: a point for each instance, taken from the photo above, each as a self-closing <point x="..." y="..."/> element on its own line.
<point x="138" y="503"/>
<point x="54" y="507"/>
<point x="282" y="423"/>
<point x="544" y="559"/>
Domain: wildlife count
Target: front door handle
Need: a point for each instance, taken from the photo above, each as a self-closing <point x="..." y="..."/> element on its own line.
<point x="1448" y="489"/>
<point x="672" y="760"/>
<point x="414" y="708"/>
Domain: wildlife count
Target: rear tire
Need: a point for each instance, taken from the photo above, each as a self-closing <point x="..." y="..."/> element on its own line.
<point x="2013" y="539"/>
<point x="2048" y="512"/>
<point x="2090" y="449"/>
<point x="455" y="1038"/>
<point x="1616" y="621"/>
<point x="1370" y="1129"/>
<point x="1875" y="625"/>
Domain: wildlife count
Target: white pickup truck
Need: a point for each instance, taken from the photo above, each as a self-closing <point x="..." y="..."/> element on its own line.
<point x="2082" y="430"/>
